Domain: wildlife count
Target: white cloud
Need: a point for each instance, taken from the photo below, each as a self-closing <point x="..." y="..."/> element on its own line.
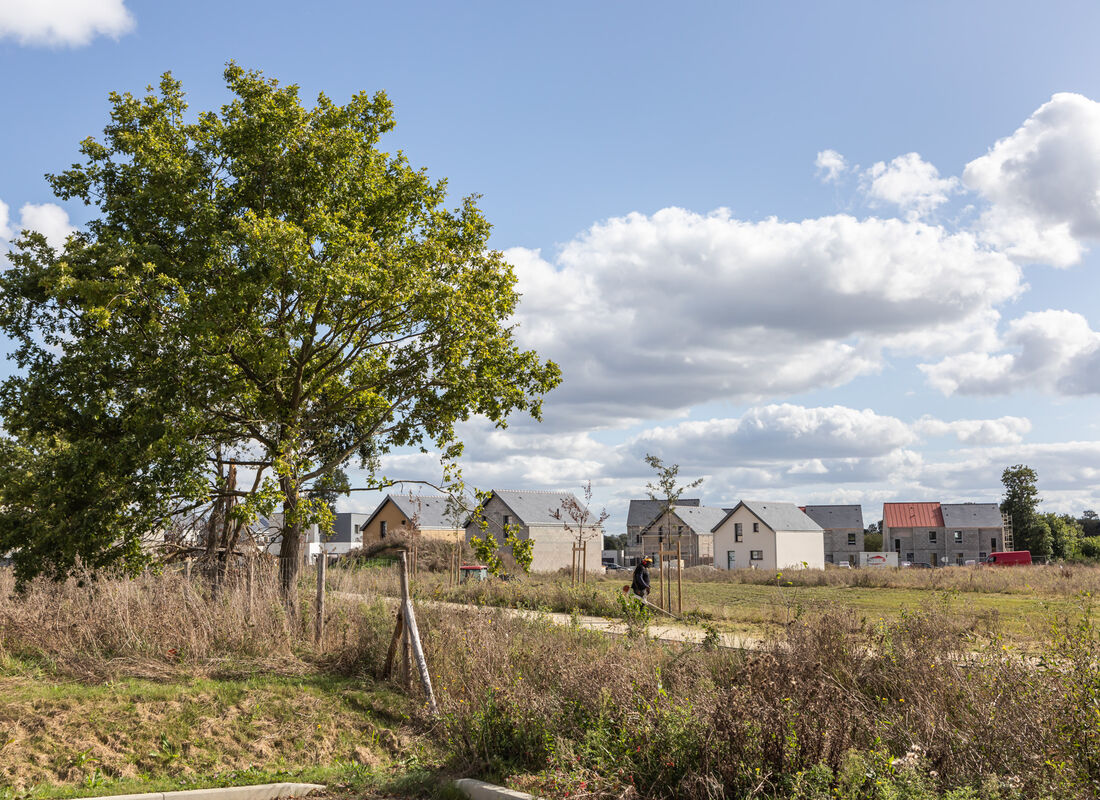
<point x="777" y="434"/>
<point x="910" y="183"/>
<point x="1005" y="430"/>
<point x="48" y="219"/>
<point x="63" y="22"/>
<point x="830" y="165"/>
<point x="650" y="315"/>
<point x="1051" y="351"/>
<point x="1044" y="183"/>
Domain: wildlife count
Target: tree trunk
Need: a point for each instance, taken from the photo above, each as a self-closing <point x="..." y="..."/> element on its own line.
<point x="290" y="551"/>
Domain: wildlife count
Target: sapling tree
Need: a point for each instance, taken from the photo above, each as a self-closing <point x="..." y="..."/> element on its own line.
<point x="667" y="490"/>
<point x="578" y="517"/>
<point x="262" y="288"/>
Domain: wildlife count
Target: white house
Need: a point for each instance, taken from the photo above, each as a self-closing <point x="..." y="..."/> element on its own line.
<point x="767" y="535"/>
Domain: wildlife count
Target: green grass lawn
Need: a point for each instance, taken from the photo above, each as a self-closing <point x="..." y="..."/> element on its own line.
<point x="62" y="738"/>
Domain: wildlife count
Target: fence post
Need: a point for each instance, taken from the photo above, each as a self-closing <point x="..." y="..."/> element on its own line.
<point x="322" y="562"/>
<point x="250" y="578"/>
<point x="412" y="636"/>
<point x="679" y="580"/>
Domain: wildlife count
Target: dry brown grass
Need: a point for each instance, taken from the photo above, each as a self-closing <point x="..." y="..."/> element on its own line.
<point x="1054" y="580"/>
<point x="827" y="702"/>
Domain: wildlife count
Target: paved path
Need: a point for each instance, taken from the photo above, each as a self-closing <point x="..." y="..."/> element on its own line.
<point x="661" y="631"/>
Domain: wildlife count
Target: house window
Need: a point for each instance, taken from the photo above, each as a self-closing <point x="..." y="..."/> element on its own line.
<point x="897" y="545"/>
<point x="756" y="527"/>
<point x="993" y="543"/>
<point x="738" y="532"/>
<point x="731" y="560"/>
<point x="638" y="539"/>
<point x="931" y="537"/>
<point x="959" y="559"/>
<point x="982" y="556"/>
<point x="828" y="558"/>
<point x="851" y="540"/>
<point x="908" y="556"/>
<point x="507" y="519"/>
<point x="383" y="529"/>
<point x="756" y="555"/>
<point x="679" y="529"/>
<point x="958" y="537"/>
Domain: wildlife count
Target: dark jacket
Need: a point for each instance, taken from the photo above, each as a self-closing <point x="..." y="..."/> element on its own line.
<point x="640" y="584"/>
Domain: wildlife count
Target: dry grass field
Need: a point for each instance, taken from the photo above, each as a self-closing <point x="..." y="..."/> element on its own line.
<point x="155" y="683"/>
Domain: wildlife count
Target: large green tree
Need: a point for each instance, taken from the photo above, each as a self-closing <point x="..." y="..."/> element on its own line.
<point x="263" y="296"/>
<point x="1021" y="503"/>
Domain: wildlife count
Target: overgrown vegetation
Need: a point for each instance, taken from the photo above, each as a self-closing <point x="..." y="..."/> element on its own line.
<point x="830" y="706"/>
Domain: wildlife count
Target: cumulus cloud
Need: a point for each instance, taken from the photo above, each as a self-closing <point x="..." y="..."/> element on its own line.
<point x="63" y="22"/>
<point x="976" y="431"/>
<point x="48" y="219"/>
<point x="650" y="315"/>
<point x="782" y="433"/>
<point x="830" y="165"/>
<point x="1043" y="182"/>
<point x="1051" y="351"/>
<point x="910" y="183"/>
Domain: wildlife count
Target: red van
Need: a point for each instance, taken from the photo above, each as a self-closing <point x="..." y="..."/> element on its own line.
<point x="1010" y="558"/>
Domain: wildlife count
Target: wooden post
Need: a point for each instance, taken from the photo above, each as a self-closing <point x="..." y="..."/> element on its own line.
<point x="391" y="654"/>
<point x="249" y="580"/>
<point x="412" y="636"/>
<point x="584" y="562"/>
<point x="660" y="575"/>
<point x="679" y="581"/>
<point x="187" y="569"/>
<point x="319" y="632"/>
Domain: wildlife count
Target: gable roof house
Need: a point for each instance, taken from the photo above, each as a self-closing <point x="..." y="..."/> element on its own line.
<point x="843" y="531"/>
<point x="942" y="533"/>
<point x="639" y="515"/>
<point x="530" y="514"/>
<point x="418" y="514"/>
<point x="768" y="535"/>
<point x="688" y="526"/>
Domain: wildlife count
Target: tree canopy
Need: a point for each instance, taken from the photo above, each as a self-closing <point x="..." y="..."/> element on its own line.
<point x="1021" y="503"/>
<point x="263" y="292"/>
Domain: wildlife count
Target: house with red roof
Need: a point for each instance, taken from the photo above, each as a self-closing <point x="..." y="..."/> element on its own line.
<point x="939" y="534"/>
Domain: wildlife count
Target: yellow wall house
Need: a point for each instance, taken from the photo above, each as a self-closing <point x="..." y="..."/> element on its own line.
<point x="425" y="515"/>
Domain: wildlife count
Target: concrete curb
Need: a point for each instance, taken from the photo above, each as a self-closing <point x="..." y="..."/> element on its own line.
<point x="480" y="790"/>
<point x="261" y="791"/>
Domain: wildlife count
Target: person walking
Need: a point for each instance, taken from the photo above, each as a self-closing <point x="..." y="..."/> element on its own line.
<point x="640" y="584"/>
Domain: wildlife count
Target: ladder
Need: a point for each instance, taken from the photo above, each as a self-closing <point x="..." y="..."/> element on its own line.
<point x="1006" y="526"/>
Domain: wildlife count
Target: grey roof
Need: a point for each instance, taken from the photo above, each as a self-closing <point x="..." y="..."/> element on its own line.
<point x="701" y="519"/>
<point x="429" y="510"/>
<point x="971" y="515"/>
<point x="643" y="512"/>
<point x="836" y="517"/>
<point x="536" y="508"/>
<point x="778" y="516"/>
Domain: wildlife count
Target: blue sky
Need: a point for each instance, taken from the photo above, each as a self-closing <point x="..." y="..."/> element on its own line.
<point x="905" y="328"/>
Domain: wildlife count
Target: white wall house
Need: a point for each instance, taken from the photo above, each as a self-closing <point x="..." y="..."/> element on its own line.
<point x="768" y="535"/>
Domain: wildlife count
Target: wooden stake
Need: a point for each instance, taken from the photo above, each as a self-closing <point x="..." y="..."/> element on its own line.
<point x="319" y="632"/>
<point x="391" y="654"/>
<point x="679" y="581"/>
<point x="660" y="578"/>
<point x="250" y="578"/>
<point x="412" y="636"/>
